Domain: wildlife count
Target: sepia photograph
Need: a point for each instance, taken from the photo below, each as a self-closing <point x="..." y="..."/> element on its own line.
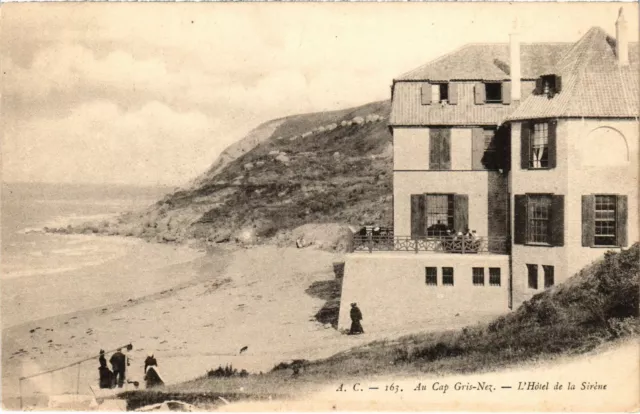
<point x="320" y="206"/>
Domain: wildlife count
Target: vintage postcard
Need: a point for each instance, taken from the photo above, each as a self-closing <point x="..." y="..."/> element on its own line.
<point x="320" y="206"/>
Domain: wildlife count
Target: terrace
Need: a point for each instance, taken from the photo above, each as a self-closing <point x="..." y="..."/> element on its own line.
<point x="384" y="240"/>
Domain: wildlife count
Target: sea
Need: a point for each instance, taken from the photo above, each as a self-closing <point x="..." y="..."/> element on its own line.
<point x="35" y="264"/>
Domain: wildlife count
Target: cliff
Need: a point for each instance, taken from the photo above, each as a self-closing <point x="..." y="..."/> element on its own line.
<point x="330" y="167"/>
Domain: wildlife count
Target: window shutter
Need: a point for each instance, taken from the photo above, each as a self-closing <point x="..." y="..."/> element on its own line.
<point x="621" y="220"/>
<point x="439" y="148"/>
<point x="479" y="93"/>
<point x="453" y="93"/>
<point x="460" y="212"/>
<point x="506" y="93"/>
<point x="553" y="143"/>
<point x="445" y="160"/>
<point x="417" y="215"/>
<point x="557" y="220"/>
<point x="520" y="219"/>
<point x="525" y="144"/>
<point x="539" y="86"/>
<point x="426" y="94"/>
<point x="434" y="149"/>
<point x="558" y="83"/>
<point x="588" y="220"/>
<point x="477" y="148"/>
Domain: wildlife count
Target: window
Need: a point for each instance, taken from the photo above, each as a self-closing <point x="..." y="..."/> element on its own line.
<point x="478" y="276"/>
<point x="539" y="219"/>
<point x="434" y="93"/>
<point x="447" y="276"/>
<point x="549" y="85"/>
<point x="493" y="92"/>
<point x="605" y="220"/>
<point x="532" y="271"/>
<point x="538" y="144"/>
<point x="431" y="275"/>
<point x="439" y="214"/>
<point x="439" y="92"/>
<point x="539" y="153"/>
<point x="539" y="211"/>
<point x="434" y="214"/>
<point x="444" y="92"/>
<point x="494" y="276"/>
<point x="548" y="275"/>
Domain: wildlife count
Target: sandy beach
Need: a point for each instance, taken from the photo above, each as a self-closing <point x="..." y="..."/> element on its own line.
<point x="217" y="304"/>
<point x="209" y="305"/>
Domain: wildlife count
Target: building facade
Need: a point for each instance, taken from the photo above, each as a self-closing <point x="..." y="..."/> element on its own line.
<point x="530" y="148"/>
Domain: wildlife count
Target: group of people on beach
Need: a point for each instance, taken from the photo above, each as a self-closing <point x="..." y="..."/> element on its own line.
<point x="116" y="376"/>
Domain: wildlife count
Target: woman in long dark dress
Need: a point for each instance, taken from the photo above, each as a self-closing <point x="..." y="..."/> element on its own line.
<point x="106" y="376"/>
<point x="151" y="375"/>
<point x="356" y="317"/>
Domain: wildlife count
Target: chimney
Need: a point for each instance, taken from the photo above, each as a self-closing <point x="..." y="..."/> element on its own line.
<point x="622" y="42"/>
<point x="514" y="56"/>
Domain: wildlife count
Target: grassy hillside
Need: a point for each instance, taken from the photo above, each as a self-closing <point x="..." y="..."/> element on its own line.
<point x="597" y="305"/>
<point x="314" y="168"/>
<point x="594" y="307"/>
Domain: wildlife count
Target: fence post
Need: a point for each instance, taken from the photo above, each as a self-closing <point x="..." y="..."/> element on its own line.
<point x="464" y="242"/>
<point x="370" y="240"/>
<point x="416" y="241"/>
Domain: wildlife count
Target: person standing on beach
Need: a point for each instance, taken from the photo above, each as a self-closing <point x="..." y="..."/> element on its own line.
<point x="356" y="317"/>
<point x="102" y="359"/>
<point x="106" y="376"/>
<point x="150" y="362"/>
<point x="119" y="364"/>
<point x="151" y="374"/>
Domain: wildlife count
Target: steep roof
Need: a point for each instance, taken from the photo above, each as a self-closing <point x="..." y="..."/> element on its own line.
<point x="489" y="61"/>
<point x="593" y="83"/>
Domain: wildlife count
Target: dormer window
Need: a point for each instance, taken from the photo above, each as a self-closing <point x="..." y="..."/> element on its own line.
<point x="440" y="92"/>
<point x="549" y="85"/>
<point x="493" y="92"/>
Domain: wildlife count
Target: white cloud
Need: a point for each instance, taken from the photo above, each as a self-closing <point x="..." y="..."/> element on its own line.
<point x="153" y="92"/>
<point x="97" y="142"/>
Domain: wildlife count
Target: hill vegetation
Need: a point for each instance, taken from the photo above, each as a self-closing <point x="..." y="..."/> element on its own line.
<point x="330" y="167"/>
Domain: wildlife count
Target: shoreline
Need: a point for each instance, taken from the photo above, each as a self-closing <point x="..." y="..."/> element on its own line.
<point x="130" y="261"/>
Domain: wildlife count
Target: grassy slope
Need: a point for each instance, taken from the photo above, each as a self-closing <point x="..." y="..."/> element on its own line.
<point x="316" y="185"/>
<point x="598" y="305"/>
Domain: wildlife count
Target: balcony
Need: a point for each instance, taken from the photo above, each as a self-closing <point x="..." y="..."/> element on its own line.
<point x="371" y="242"/>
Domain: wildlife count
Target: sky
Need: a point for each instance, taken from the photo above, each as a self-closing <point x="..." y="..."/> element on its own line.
<point x="151" y="93"/>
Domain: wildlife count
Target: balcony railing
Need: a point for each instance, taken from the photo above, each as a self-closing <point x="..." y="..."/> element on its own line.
<point x="442" y="244"/>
